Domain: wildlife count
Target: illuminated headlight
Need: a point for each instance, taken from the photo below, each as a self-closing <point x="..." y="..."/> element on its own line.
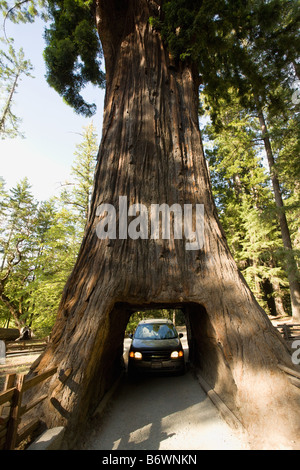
<point x="176" y="354"/>
<point x="135" y="355"/>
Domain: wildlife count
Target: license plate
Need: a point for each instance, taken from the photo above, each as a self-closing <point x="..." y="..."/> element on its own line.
<point x="156" y="365"/>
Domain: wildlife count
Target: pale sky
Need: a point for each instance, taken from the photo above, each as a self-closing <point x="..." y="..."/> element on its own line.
<point x="51" y="127"/>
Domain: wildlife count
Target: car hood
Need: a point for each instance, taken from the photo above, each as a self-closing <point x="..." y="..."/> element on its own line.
<point x="157" y="344"/>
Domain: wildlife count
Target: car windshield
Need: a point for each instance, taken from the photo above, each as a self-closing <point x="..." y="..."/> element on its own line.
<point x="155" y="331"/>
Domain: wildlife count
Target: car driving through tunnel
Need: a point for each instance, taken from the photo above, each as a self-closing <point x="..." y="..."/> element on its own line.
<point x="156" y="347"/>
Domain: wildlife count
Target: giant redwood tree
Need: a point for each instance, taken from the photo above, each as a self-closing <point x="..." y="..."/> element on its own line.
<point x="151" y="152"/>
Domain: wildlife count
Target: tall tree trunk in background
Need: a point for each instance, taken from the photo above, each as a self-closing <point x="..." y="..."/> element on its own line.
<point x="291" y="265"/>
<point x="151" y="152"/>
<point x="278" y="298"/>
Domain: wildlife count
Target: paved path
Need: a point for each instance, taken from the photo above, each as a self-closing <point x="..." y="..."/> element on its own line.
<point x="162" y="413"/>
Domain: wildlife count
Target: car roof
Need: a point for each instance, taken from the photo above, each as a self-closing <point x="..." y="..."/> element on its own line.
<point x="155" y="320"/>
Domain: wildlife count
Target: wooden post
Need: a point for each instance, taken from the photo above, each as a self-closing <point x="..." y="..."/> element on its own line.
<point x="285" y="331"/>
<point x="9" y="383"/>
<point x="5" y="410"/>
<point x="12" y="430"/>
<point x="2" y="352"/>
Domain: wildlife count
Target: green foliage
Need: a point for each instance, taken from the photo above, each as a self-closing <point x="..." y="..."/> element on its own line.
<point x="17" y="247"/>
<point x="284" y="131"/>
<point x="13" y="66"/>
<point x="77" y="193"/>
<point x="245" y="44"/>
<point x="58" y="244"/>
<point x="244" y="196"/>
<point x="177" y="316"/>
<point x="22" y="11"/>
<point x="248" y="44"/>
<point x="39" y="244"/>
<point x="73" y="53"/>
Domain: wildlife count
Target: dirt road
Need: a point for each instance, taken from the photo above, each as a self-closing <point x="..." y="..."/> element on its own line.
<point x="162" y="413"/>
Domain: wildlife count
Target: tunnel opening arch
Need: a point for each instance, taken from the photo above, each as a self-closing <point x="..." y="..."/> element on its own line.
<point x="222" y="347"/>
<point x="204" y="352"/>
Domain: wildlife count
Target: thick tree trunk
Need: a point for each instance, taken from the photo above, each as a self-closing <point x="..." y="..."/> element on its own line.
<point x="278" y="299"/>
<point x="291" y="265"/>
<point x="151" y="152"/>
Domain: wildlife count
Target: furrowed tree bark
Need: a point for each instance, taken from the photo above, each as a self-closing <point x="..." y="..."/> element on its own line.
<point x="151" y="152"/>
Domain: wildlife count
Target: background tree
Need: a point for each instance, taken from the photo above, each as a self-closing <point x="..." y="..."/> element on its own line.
<point x="12" y="63"/>
<point x="291" y="264"/>
<point x="62" y="232"/>
<point x="262" y="71"/>
<point x="13" y="66"/>
<point x="40" y="243"/>
<point x="73" y="53"/>
<point x="78" y="195"/>
<point x="17" y="248"/>
<point x="245" y="203"/>
<point x="57" y="243"/>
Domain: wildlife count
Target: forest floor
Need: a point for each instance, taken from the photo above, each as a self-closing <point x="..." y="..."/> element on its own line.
<point x="16" y="365"/>
<point x="160" y="413"/>
<point x="276" y="321"/>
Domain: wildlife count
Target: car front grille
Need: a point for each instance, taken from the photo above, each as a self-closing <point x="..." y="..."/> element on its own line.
<point x="156" y="355"/>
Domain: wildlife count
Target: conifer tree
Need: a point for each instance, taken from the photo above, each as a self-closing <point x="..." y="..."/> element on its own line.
<point x="13" y="66"/>
<point x="77" y="193"/>
<point x="244" y="199"/>
<point x="17" y="247"/>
